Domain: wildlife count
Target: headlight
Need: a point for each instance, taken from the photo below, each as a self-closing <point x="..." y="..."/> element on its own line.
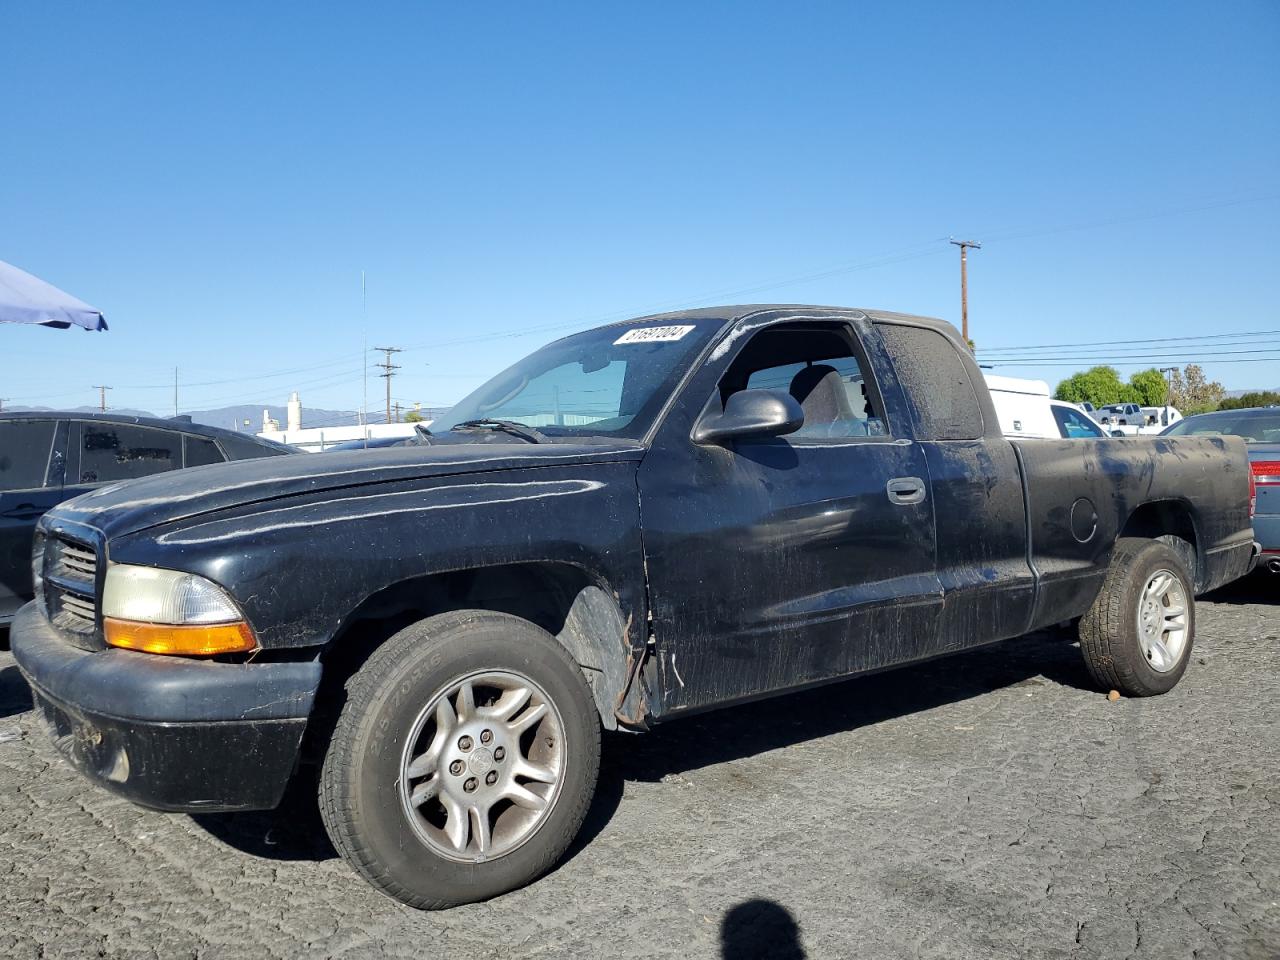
<point x="166" y="611"/>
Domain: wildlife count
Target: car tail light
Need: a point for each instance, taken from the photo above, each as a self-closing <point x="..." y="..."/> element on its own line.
<point x="1262" y="473"/>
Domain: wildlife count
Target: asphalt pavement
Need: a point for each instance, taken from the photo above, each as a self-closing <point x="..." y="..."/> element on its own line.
<point x="989" y="805"/>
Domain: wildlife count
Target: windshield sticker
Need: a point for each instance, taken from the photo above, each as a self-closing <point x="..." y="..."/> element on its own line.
<point x="653" y="334"/>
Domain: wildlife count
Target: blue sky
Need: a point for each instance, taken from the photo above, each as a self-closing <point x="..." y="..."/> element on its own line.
<point x="215" y="178"/>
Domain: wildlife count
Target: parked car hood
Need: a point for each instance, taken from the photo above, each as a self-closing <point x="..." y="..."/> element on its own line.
<point x="137" y="504"/>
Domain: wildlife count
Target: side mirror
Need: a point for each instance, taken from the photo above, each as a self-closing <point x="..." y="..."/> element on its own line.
<point x="751" y="413"/>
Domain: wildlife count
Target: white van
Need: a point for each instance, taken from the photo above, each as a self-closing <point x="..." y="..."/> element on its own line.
<point x="1022" y="406"/>
<point x="1025" y="409"/>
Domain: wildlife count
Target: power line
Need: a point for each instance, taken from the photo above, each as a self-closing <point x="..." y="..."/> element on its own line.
<point x="1126" y="342"/>
<point x="1140" y="355"/>
<point x="924" y="249"/>
<point x="1090" y="350"/>
<point x="1130" y="363"/>
<point x="329" y="380"/>
<point x="689" y="302"/>
<point x="1115" y="221"/>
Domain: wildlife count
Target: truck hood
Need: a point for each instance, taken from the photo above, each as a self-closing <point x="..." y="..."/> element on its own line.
<point x="134" y="505"/>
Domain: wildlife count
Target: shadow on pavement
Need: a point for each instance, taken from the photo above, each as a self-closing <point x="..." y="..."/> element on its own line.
<point x="1259" y="587"/>
<point x="15" y="695"/>
<point x="295" y="832"/>
<point x="292" y="831"/>
<point x="752" y="728"/>
<point x="760" y="929"/>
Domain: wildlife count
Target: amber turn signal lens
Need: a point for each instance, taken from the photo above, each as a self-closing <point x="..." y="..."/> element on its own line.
<point x="191" y="640"/>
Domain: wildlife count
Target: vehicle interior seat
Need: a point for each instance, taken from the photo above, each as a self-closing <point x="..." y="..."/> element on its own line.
<point x="820" y="392"/>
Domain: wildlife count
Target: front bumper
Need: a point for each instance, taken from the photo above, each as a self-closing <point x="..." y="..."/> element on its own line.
<point x="168" y="732"/>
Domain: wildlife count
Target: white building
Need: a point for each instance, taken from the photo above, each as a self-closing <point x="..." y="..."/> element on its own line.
<point x="316" y="439"/>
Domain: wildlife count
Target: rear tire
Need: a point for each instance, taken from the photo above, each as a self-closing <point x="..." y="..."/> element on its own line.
<point x="1137" y="636"/>
<point x="464" y="760"/>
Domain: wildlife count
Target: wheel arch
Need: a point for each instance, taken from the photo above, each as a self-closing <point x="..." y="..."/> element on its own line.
<point x="575" y="605"/>
<point x="1171" y="519"/>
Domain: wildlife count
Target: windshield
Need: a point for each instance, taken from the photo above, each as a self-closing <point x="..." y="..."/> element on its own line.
<point x="605" y="382"/>
<point x="1262" y="426"/>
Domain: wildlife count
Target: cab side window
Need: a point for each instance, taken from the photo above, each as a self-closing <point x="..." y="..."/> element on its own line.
<point x="24" y="453"/>
<point x="242" y="448"/>
<point x="110" y="451"/>
<point x="819" y="367"/>
<point x="200" y="451"/>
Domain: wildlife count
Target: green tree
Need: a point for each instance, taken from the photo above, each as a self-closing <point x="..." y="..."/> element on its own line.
<point x="1151" y="387"/>
<point x="1097" y="385"/>
<point x="1192" y="392"/>
<point x="1256" y="398"/>
<point x="413" y="416"/>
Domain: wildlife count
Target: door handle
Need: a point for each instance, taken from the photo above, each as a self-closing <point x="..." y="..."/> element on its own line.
<point x="25" y="511"/>
<point x="905" y="490"/>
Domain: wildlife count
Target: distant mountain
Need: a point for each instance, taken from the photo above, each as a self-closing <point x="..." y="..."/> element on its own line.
<point x="1241" y="393"/>
<point x="229" y="418"/>
<point x="233" y="418"/>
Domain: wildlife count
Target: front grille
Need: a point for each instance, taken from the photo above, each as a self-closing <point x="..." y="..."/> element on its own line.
<point x="77" y="561"/>
<point x="77" y="607"/>
<point x="71" y="587"/>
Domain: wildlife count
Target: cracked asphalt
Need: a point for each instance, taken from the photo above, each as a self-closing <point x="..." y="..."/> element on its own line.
<point x="989" y="805"/>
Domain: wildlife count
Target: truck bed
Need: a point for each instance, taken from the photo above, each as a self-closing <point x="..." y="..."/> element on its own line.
<point x="1083" y="494"/>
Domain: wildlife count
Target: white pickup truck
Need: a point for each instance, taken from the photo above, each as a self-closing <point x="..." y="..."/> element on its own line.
<point x="1131" y="420"/>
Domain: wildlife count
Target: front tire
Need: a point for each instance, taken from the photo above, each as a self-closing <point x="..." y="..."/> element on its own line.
<point x="464" y="760"/>
<point x="1137" y="636"/>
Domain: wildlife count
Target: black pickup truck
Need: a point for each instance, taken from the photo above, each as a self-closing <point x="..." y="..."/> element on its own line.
<point x="631" y="524"/>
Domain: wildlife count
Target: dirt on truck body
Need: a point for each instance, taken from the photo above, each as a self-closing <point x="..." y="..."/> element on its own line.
<point x="632" y="524"/>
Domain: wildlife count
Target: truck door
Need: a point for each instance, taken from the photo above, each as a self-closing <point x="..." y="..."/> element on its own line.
<point x="977" y="488"/>
<point x="31" y="456"/>
<point x="778" y="562"/>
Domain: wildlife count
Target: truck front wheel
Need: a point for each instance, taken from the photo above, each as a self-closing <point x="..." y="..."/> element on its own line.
<point x="464" y="759"/>
<point x="1137" y="636"/>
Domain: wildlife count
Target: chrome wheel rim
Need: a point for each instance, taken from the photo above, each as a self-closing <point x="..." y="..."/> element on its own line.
<point x="1162" y="620"/>
<point x="482" y="766"/>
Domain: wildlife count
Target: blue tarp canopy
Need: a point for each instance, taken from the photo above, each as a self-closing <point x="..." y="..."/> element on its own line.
<point x="28" y="299"/>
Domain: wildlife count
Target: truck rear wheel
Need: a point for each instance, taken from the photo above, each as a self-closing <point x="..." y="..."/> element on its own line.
<point x="1137" y="636"/>
<point x="464" y="760"/>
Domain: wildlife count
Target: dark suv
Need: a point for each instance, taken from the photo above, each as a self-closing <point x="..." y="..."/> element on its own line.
<point x="48" y="457"/>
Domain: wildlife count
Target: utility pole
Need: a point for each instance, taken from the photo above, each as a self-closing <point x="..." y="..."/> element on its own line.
<point x="1168" y="379"/>
<point x="102" y="397"/>
<point x="964" y="246"/>
<point x="175" y="391"/>
<point x="397" y="411"/>
<point x="388" y="371"/>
